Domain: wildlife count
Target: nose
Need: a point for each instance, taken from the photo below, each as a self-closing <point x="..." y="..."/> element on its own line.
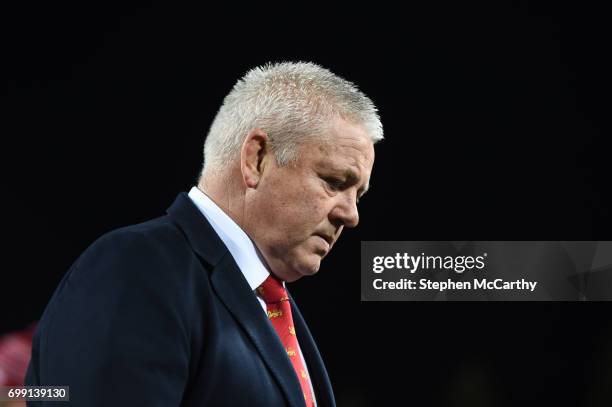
<point x="345" y="211"/>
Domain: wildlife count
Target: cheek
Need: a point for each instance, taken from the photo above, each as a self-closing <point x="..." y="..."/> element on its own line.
<point x="298" y="210"/>
<point x="308" y="204"/>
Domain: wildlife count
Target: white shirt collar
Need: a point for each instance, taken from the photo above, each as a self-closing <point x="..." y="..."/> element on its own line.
<point x="235" y="239"/>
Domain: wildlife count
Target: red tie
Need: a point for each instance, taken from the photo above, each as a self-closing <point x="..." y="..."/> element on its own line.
<point x="279" y="313"/>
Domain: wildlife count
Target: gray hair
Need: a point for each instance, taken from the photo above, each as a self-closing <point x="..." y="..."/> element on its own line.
<point x="292" y="103"/>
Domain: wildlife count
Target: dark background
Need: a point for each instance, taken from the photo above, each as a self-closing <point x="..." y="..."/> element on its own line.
<point x="496" y="129"/>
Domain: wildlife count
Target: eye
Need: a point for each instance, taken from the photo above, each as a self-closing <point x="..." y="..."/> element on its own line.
<point x="335" y="184"/>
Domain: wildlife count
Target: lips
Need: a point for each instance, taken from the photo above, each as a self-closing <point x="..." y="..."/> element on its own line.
<point x="327" y="238"/>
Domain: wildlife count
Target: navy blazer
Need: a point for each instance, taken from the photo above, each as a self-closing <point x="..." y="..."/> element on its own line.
<point x="159" y="314"/>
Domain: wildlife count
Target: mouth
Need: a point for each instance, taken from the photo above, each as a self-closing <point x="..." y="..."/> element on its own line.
<point x="327" y="238"/>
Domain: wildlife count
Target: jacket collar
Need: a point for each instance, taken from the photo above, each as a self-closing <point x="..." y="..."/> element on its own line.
<point x="200" y="235"/>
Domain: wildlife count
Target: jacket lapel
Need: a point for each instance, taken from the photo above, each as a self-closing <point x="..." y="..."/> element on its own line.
<point x="235" y="293"/>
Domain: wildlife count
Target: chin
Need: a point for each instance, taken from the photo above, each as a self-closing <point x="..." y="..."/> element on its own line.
<point x="303" y="268"/>
<point x="310" y="268"/>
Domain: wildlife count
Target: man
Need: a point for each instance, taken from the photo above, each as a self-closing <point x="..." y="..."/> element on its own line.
<point x="191" y="309"/>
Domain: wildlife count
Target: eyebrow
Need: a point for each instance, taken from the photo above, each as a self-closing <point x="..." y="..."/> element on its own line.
<point x="352" y="178"/>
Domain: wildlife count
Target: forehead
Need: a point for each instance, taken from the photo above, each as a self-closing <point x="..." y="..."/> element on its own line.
<point x="347" y="146"/>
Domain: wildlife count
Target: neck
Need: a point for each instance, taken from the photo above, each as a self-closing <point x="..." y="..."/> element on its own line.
<point x="224" y="192"/>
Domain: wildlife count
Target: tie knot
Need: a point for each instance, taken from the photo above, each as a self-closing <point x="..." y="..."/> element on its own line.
<point x="272" y="290"/>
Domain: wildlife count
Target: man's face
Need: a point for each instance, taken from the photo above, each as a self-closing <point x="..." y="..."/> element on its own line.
<point x="297" y="212"/>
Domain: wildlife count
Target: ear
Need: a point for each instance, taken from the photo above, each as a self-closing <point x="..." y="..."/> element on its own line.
<point x="252" y="155"/>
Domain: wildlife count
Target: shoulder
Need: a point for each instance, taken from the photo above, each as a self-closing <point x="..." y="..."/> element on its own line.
<point x="159" y="232"/>
<point x="158" y="236"/>
<point x="127" y="271"/>
<point x="153" y="252"/>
